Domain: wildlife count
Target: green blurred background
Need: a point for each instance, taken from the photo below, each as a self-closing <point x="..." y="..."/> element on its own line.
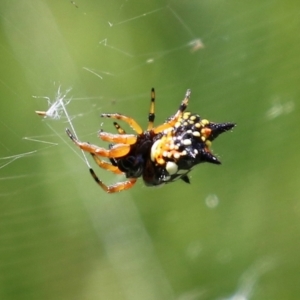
<point x="234" y="233"/>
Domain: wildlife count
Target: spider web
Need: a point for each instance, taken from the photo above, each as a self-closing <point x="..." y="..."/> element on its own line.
<point x="62" y="237"/>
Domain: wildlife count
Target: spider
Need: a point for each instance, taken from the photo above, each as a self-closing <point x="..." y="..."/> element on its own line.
<point x="159" y="154"/>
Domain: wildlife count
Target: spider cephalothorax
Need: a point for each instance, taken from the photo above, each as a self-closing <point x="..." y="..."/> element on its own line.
<point x="159" y="154"/>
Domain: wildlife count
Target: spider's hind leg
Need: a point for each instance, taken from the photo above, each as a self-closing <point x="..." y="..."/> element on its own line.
<point x="106" y="165"/>
<point x="118" y="187"/>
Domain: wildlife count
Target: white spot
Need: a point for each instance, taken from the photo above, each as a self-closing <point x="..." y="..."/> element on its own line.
<point x="186" y="142"/>
<point x="171" y="167"/>
<point x="176" y="155"/>
<point x="212" y="201"/>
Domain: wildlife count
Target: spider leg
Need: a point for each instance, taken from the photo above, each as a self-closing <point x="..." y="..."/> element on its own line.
<point x="120" y="131"/>
<point x="115" y="151"/>
<point x="119" y="128"/>
<point x="106" y="165"/>
<point x="118" y="187"/>
<point x="151" y="116"/>
<point x="174" y="119"/>
<point x="131" y="122"/>
<point x="128" y="139"/>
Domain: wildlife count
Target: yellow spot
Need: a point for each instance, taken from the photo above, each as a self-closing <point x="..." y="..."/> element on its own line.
<point x="160" y="161"/>
<point x="204" y="122"/>
<point x="208" y="143"/>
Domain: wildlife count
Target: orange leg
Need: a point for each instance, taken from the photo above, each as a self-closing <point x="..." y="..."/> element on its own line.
<point x="118" y="187"/>
<point x="115" y="151"/>
<point x="128" y="139"/>
<point x="106" y="165"/>
<point x="174" y="119"/>
<point x="119" y="128"/>
<point x="131" y="122"/>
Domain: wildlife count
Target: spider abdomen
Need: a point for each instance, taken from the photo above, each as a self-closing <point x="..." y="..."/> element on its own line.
<point x="184" y="146"/>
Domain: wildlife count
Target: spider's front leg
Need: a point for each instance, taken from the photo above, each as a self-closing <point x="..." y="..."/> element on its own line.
<point x="115" y="151"/>
<point x="124" y="138"/>
<point x="131" y="122"/>
<point x="174" y="119"/>
<point x="151" y="116"/>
